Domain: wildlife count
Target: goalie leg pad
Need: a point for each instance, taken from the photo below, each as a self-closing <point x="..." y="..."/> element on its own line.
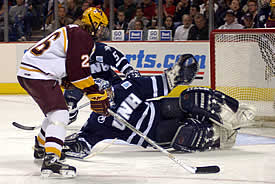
<point x="169" y="108"/>
<point x="166" y="130"/>
<point x="195" y="135"/>
<point x="203" y="103"/>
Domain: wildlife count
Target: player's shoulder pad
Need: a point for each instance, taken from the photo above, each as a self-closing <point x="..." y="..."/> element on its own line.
<point x="100" y="44"/>
<point x="103" y="49"/>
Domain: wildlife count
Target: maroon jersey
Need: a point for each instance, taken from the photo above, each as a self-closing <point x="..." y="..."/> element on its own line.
<point x="80" y="47"/>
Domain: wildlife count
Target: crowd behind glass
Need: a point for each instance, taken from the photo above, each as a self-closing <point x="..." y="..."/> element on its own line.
<point x="187" y="19"/>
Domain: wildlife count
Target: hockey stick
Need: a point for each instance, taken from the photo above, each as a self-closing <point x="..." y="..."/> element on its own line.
<point x="23" y="127"/>
<point x="191" y="169"/>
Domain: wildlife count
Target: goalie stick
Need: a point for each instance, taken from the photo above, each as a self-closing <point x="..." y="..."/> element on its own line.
<point x="191" y="169"/>
<point x="24" y="127"/>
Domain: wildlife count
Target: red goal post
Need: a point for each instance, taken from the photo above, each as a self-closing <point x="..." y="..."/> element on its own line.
<point x="242" y="65"/>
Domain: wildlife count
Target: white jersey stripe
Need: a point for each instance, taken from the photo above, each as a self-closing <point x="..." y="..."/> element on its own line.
<point x="125" y="67"/>
<point x="119" y="62"/>
<point x="165" y="87"/>
<point x="138" y="125"/>
<point x="155" y="87"/>
<point x="150" y="123"/>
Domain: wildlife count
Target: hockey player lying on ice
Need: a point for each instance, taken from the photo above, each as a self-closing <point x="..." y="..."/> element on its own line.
<point x="199" y="119"/>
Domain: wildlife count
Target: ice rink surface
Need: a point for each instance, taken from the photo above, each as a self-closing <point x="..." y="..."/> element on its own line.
<point x="251" y="160"/>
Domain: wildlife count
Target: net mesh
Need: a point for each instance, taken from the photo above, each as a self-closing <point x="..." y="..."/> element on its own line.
<point x="245" y="67"/>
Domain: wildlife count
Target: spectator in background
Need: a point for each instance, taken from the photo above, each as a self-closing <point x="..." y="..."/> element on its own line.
<point x="248" y="21"/>
<point x="36" y="8"/>
<point x="50" y="10"/>
<point x="153" y="24"/>
<point x="129" y="8"/>
<point x="62" y="18"/>
<point x="183" y="7"/>
<point x="182" y="31"/>
<point x="169" y="8"/>
<point x="271" y="19"/>
<point x="81" y="9"/>
<point x="169" y="24"/>
<point x="228" y="2"/>
<point x="238" y="12"/>
<point x="17" y="14"/>
<point x="194" y="10"/>
<point x="72" y="9"/>
<point x="28" y="20"/>
<point x="120" y="23"/>
<point x="149" y="8"/>
<point x="138" y="25"/>
<point x="230" y="21"/>
<point x="139" y="16"/>
<point x="264" y="12"/>
<point x="200" y="30"/>
<point x="220" y="13"/>
<point x="252" y="9"/>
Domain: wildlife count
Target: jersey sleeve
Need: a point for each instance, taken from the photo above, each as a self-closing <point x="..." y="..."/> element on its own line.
<point x="115" y="58"/>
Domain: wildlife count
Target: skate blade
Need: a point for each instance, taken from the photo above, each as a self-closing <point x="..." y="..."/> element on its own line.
<point x="67" y="173"/>
<point x="46" y="174"/>
<point x="62" y="174"/>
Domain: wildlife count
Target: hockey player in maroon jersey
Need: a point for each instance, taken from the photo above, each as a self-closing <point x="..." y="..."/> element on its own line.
<point x="62" y="56"/>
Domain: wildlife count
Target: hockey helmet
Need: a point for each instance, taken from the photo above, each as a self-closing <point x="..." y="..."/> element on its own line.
<point x="95" y="17"/>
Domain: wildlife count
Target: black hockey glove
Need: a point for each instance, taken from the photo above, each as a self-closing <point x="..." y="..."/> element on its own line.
<point x="195" y="135"/>
<point x="204" y="103"/>
<point x="132" y="74"/>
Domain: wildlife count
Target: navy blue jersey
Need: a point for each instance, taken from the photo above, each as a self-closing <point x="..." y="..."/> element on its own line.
<point x="104" y="57"/>
<point x="131" y="102"/>
<point x="100" y="63"/>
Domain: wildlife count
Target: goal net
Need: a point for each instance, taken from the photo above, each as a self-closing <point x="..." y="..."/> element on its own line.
<point x="243" y="66"/>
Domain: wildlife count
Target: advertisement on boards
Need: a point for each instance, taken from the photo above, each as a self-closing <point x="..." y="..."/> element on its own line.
<point x="150" y="58"/>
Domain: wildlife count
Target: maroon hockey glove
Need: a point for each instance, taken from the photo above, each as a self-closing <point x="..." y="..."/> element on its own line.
<point x="99" y="103"/>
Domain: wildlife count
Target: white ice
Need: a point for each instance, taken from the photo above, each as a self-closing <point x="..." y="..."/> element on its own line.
<point x="251" y="161"/>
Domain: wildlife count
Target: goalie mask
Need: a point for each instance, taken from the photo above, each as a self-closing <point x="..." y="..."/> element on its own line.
<point x="96" y="19"/>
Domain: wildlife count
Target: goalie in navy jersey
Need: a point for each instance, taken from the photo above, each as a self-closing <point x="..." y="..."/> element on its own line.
<point x="200" y="119"/>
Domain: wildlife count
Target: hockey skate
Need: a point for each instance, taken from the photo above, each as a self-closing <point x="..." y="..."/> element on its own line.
<point x="51" y="165"/>
<point x="183" y="72"/>
<point x="39" y="151"/>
